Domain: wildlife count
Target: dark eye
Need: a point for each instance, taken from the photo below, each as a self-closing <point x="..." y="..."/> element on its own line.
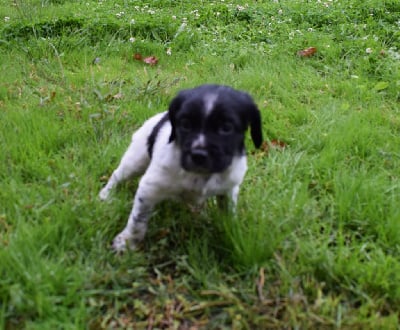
<point x="185" y="124"/>
<point x="226" y="128"/>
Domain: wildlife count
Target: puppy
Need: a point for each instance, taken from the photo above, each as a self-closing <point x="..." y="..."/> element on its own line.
<point x="193" y="151"/>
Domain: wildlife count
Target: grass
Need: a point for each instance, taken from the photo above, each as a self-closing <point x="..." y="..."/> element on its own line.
<point x="317" y="239"/>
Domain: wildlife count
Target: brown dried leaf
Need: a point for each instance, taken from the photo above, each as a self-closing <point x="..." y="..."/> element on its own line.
<point x="137" y="57"/>
<point x="307" y="52"/>
<point x="278" y="144"/>
<point x="151" y="60"/>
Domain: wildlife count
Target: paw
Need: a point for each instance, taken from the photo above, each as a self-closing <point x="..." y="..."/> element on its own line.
<point x="104" y="194"/>
<point x="123" y="242"/>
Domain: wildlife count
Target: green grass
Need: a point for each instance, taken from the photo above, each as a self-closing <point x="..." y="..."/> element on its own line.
<point x="316" y="241"/>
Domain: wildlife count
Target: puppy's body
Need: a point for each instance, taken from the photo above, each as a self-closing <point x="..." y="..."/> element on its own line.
<point x="192" y="152"/>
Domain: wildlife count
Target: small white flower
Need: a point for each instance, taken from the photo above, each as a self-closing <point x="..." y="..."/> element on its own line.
<point x="169" y="51"/>
<point x="280" y="11"/>
<point x="151" y="12"/>
<point x="133" y="21"/>
<point x="132" y="39"/>
<point x="173" y="17"/>
<point x="6" y="19"/>
<point x="369" y="50"/>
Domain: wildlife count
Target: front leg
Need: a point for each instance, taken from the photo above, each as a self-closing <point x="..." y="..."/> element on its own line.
<point x="227" y="202"/>
<point x="133" y="163"/>
<point x="136" y="226"/>
<point x="147" y="196"/>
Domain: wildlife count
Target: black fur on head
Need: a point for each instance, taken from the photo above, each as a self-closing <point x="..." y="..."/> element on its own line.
<point x="209" y="124"/>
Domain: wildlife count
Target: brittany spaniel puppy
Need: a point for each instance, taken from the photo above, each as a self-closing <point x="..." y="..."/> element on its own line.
<point x="193" y="151"/>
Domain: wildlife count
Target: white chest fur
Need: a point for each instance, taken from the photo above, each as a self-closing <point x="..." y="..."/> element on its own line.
<point x="166" y="178"/>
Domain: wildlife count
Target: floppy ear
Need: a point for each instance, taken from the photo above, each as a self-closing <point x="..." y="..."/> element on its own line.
<point x="253" y="117"/>
<point x="256" y="127"/>
<point x="174" y="108"/>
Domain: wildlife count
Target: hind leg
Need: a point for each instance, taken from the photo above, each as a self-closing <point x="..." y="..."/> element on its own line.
<point x="136" y="158"/>
<point x="133" y="163"/>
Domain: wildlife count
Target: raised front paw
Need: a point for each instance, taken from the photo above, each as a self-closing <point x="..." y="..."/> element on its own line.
<point x="123" y="242"/>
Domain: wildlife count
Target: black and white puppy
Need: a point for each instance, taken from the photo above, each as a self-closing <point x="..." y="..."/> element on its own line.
<point x="193" y="151"/>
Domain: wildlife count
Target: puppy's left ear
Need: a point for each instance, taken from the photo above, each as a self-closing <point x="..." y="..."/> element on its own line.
<point x="254" y="120"/>
<point x="174" y="108"/>
<point x="256" y="128"/>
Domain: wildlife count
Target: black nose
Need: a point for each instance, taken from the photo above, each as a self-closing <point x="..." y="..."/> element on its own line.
<point x="199" y="156"/>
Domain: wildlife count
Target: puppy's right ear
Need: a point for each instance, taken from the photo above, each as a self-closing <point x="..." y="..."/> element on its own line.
<point x="173" y="110"/>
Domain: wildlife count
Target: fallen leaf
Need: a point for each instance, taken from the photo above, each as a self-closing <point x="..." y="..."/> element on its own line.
<point x="307" y="52"/>
<point x="278" y="144"/>
<point x="138" y="57"/>
<point x="151" y="60"/>
<point x="274" y="144"/>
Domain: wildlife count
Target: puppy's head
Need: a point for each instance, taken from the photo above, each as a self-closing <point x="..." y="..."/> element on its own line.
<point x="209" y="123"/>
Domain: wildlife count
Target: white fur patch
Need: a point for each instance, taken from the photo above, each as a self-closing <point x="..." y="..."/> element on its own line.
<point x="200" y="142"/>
<point x="209" y="101"/>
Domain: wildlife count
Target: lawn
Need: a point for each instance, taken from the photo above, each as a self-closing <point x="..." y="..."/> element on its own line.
<point x="316" y="240"/>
